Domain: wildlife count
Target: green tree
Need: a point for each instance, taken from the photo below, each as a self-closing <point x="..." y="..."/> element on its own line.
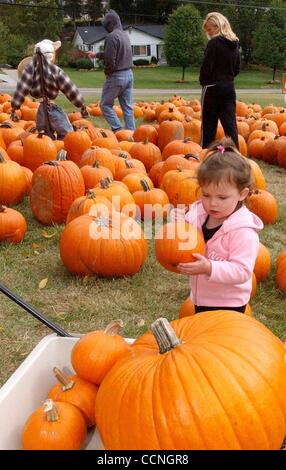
<point x="243" y="19"/>
<point x="183" y="38"/>
<point x="18" y="48"/>
<point x="4" y="34"/>
<point x="94" y="10"/>
<point x="37" y="20"/>
<point x="270" y="40"/>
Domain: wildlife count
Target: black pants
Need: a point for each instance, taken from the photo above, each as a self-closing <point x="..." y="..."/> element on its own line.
<point x="199" y="308"/>
<point x="218" y="102"/>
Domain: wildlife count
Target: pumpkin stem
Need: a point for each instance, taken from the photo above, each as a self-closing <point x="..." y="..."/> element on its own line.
<point x="145" y="185"/>
<point x="145" y="141"/>
<point x="51" y="411"/>
<point x="105" y="183"/>
<point x="188" y="156"/>
<point x="2" y="158"/>
<point x="65" y="382"/>
<point x="62" y="155"/>
<point x="129" y="164"/>
<point x="114" y="328"/>
<point x="6" y="125"/>
<point x="2" y="208"/>
<point x="90" y="194"/>
<point x="122" y="155"/>
<point x="96" y="164"/>
<point x="165" y="335"/>
<point x="41" y="134"/>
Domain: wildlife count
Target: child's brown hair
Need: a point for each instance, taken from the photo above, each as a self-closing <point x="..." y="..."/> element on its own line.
<point x="224" y="163"/>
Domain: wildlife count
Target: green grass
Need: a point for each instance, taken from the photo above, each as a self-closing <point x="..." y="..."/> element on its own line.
<point x="264" y="99"/>
<point x="168" y="77"/>
<point x="83" y="305"/>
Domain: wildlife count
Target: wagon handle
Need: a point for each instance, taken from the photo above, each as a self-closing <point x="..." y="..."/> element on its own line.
<point x="36" y="313"/>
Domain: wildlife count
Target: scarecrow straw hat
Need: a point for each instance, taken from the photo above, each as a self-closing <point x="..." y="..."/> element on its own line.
<point x="47" y="47"/>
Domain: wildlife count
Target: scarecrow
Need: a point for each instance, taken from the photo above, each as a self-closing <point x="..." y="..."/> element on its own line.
<point x="41" y="78"/>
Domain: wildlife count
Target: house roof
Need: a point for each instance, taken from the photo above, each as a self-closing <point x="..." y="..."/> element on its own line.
<point x="92" y="34"/>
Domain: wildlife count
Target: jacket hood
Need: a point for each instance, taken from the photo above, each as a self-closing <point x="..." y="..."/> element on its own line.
<point x="111" y="21"/>
<point x="242" y="218"/>
<point x="232" y="44"/>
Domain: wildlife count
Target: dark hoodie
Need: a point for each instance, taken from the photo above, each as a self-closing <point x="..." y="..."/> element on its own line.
<point x="221" y="61"/>
<point x="117" y="53"/>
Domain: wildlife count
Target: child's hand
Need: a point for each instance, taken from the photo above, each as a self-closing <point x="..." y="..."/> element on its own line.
<point x="177" y="214"/>
<point x="202" y="266"/>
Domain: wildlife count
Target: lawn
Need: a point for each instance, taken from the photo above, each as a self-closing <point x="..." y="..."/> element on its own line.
<point x="264" y="99"/>
<point x="168" y="77"/>
<point x="81" y="305"/>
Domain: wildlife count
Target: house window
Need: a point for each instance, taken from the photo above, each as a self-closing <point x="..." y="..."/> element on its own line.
<point x="141" y="50"/>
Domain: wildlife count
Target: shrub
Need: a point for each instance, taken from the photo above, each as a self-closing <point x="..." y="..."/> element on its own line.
<point x="141" y="62"/>
<point x="84" y="63"/>
<point x="154" y="60"/>
<point x="100" y="63"/>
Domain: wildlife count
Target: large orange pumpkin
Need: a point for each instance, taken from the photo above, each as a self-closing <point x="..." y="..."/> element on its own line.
<point x="175" y="243"/>
<point x="55" y="185"/>
<point x="212" y="381"/>
<point x="37" y="149"/>
<point x="107" y="246"/>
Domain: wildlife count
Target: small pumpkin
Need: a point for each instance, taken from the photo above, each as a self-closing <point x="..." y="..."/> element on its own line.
<point x="280" y="275"/>
<point x="262" y="263"/>
<point x="12" y="225"/>
<point x="175" y="242"/>
<point x="79" y="392"/>
<point x="90" y="203"/>
<point x="54" y="426"/>
<point x="12" y="181"/>
<point x="264" y="205"/>
<point x="95" y="353"/>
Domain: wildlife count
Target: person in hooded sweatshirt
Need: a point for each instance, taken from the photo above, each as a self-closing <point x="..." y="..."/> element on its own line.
<point x="222" y="279"/>
<point x="220" y="65"/>
<point x="117" y="57"/>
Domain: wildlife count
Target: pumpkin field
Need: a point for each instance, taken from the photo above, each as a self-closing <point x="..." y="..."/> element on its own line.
<point x="41" y="262"/>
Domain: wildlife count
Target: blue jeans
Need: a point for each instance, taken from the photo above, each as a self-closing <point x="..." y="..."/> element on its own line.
<point x="118" y="85"/>
<point x="59" y="121"/>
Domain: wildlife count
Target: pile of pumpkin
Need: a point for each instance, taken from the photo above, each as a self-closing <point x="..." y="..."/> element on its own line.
<point x="93" y="172"/>
<point x="216" y="380"/>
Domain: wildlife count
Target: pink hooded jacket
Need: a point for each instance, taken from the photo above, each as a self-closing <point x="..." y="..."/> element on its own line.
<point x="232" y="252"/>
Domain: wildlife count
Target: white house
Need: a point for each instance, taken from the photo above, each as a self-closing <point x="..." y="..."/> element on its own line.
<point x="146" y="40"/>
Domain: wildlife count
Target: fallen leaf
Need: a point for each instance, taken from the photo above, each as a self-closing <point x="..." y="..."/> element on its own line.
<point x="48" y="235"/>
<point x="26" y="255"/>
<point x="35" y="246"/>
<point x="36" y="252"/>
<point x="141" y="322"/>
<point x="43" y="283"/>
<point x="85" y="280"/>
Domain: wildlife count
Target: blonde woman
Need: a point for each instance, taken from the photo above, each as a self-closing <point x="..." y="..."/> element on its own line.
<point x="219" y="67"/>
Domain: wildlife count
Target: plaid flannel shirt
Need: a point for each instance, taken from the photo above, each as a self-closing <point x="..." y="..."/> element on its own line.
<point x="55" y="80"/>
